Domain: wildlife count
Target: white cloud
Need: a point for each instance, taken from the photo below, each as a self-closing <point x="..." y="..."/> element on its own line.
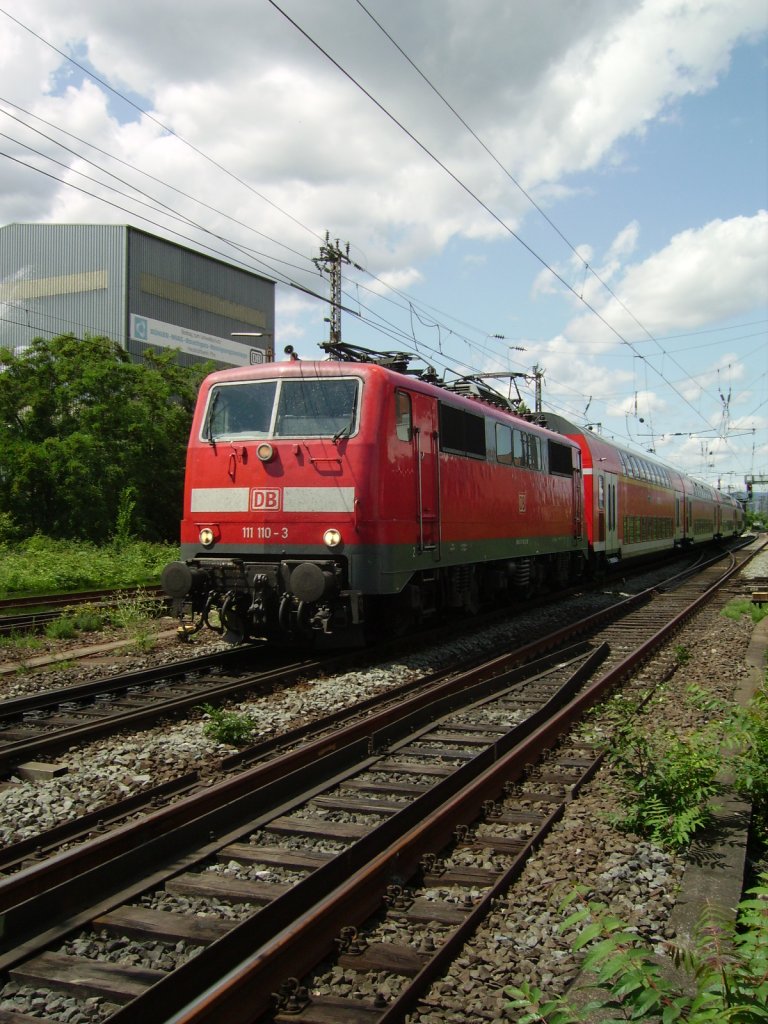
<point x="703" y="275"/>
<point x="243" y="86"/>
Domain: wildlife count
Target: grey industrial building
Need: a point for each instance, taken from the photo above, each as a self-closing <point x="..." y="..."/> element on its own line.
<point x="140" y="290"/>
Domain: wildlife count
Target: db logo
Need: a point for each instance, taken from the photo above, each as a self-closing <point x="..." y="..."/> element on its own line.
<point x="265" y="499"/>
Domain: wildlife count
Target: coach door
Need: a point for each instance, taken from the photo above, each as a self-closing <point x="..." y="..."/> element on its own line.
<point x="679" y="517"/>
<point x="611" y="512"/>
<point x="427" y="458"/>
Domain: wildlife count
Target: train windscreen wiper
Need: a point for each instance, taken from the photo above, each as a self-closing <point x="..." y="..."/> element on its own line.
<point x="211" y="409"/>
<point x="348" y="427"/>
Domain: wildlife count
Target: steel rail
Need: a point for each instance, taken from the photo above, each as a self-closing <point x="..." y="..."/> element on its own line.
<point x="47" y="608"/>
<point x="36" y="878"/>
<point x="312" y="745"/>
<point x="50" y="742"/>
<point x="78" y="597"/>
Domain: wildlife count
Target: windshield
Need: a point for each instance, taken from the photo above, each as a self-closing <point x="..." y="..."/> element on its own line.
<point x="320" y="407"/>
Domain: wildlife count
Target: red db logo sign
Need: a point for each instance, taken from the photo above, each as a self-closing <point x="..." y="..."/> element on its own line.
<point x="265" y="499"/>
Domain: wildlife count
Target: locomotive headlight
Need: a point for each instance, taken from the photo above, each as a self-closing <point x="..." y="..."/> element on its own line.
<point x="332" y="538"/>
<point x="265" y="451"/>
<point x="207" y="536"/>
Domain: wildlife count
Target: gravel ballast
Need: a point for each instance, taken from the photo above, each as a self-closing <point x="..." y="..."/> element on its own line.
<point x="521" y="940"/>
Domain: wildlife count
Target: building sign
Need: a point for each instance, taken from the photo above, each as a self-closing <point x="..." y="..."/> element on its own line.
<point x="194" y="343"/>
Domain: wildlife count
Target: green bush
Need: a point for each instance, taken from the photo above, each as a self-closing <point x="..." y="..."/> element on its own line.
<point x="743" y="606"/>
<point x="89" y="619"/>
<point x="228" y="727"/>
<point x="668" y="783"/>
<point x="62" y="628"/>
<point x="81" y="620"/>
<point x="726" y="971"/>
<point x="748" y="734"/>
<point x="40" y="565"/>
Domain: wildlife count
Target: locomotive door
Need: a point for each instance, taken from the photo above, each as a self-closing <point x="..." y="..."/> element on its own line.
<point x="427" y="457"/>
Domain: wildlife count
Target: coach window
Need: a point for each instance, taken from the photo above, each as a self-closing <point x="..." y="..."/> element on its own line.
<point x="504" y="444"/>
<point x="403" y="416"/>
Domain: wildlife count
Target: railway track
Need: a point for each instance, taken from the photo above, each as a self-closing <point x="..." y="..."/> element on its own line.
<point x="30" y="614"/>
<point x="420" y="814"/>
<point x="41" y="725"/>
<point x="36" y="727"/>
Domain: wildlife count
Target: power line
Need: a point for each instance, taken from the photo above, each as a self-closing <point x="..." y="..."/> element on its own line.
<point x="160" y="124"/>
<point x="134" y="169"/>
<point x="516" y="183"/>
<point x="454" y="177"/>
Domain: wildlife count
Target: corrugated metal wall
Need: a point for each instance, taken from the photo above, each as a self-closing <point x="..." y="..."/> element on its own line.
<point x="208" y="300"/>
<point x="60" y="279"/>
<point x="133" y="287"/>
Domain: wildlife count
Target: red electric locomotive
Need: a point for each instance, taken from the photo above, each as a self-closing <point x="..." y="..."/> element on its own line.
<point x="336" y="499"/>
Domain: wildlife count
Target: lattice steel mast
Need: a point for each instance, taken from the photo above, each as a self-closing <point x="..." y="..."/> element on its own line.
<point x="330" y="260"/>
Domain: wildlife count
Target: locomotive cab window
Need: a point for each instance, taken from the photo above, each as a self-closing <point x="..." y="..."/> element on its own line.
<point x="318" y="407"/>
<point x="240" y="410"/>
<point x="403" y="416"/>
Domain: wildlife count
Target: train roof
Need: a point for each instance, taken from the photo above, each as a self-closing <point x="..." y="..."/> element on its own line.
<point x="471" y="392"/>
<point x="561" y="425"/>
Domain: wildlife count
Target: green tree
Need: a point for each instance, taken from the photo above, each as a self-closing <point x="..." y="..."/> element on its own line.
<point x="81" y="427"/>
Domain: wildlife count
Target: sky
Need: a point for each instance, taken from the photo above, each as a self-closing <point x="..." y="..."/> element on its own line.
<point x="575" y="188"/>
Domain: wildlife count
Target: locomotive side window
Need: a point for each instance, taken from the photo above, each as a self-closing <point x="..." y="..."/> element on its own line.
<point x="461" y="433"/>
<point x="560" y="459"/>
<point x="517" y="452"/>
<point x="403" y="416"/>
<point x="504" y="444"/>
<point x="526" y="450"/>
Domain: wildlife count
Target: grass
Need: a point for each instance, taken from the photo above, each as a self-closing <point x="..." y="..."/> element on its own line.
<point x="135" y="614"/>
<point x="40" y="565"/>
<point x="743" y="606"/>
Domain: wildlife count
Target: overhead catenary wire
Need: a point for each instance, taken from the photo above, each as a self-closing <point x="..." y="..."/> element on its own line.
<point x="205" y="156"/>
<point x="165" y="128"/>
<point x="425" y="149"/>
